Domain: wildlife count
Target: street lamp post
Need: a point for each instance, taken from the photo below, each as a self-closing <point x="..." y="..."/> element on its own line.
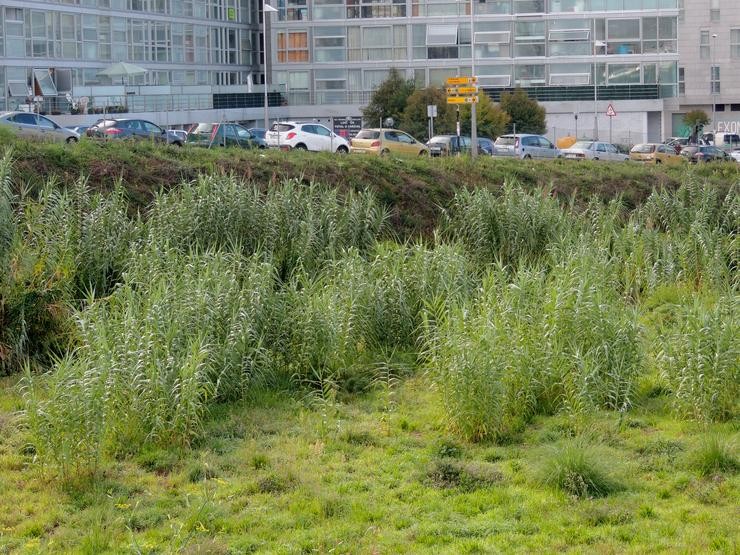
<point x="712" y="84"/>
<point x="473" y="106"/>
<point x="266" y="9"/>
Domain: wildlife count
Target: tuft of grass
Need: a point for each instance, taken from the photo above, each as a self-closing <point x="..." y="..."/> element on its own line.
<point x="714" y="455"/>
<point x="578" y="469"/>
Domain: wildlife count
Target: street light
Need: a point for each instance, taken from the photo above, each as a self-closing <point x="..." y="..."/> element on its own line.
<point x="711" y="84"/>
<point x="266" y="9"/>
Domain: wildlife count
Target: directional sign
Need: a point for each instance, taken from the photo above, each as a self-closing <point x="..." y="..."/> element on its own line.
<point x="462" y="100"/>
<point x="462" y="90"/>
<point x="462" y="80"/>
<point x="610" y="111"/>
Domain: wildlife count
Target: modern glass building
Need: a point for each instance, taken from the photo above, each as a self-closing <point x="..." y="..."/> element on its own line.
<point x="201" y="56"/>
<point x="565" y="53"/>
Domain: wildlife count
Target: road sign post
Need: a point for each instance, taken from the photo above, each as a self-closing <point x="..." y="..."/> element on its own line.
<point x="612" y="113"/>
<point x="464" y="90"/>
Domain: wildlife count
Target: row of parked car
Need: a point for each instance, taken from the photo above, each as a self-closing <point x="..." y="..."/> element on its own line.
<point x="311" y="136"/>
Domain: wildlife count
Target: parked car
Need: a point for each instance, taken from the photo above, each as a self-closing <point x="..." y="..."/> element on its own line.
<point x="695" y="154"/>
<point x="485" y="146"/>
<point x="181" y="133"/>
<point x="677" y="143"/>
<point x="652" y="153"/>
<point x="305" y="136"/>
<point x="221" y="134"/>
<point x="735" y="155"/>
<point x="28" y="124"/>
<point x="79" y="129"/>
<point x="258" y="134"/>
<point x="382" y="142"/>
<point x="525" y="146"/>
<point x="727" y="141"/>
<point x="132" y="129"/>
<point x="448" y="145"/>
<point x="594" y="150"/>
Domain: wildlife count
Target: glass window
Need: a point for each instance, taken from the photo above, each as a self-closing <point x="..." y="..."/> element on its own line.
<point x="25" y="119"/>
<point x="735" y="43"/>
<point x="618" y="74"/>
<point x="704" y="49"/>
<point x="715" y="81"/>
<point x="46" y="123"/>
<point x="292" y="46"/>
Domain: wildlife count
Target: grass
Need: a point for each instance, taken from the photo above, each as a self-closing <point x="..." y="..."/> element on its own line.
<point x="240" y="368"/>
<point x="266" y="478"/>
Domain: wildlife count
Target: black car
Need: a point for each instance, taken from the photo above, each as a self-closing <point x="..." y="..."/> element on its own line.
<point x="132" y="129"/>
<point x="695" y="154"/>
<point x="485" y="146"/>
<point x="221" y="134"/>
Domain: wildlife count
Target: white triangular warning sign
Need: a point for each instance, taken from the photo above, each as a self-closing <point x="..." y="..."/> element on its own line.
<point x="610" y="111"/>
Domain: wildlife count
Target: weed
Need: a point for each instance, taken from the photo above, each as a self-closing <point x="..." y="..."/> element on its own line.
<point x="714" y="455"/>
<point x="578" y="469"/>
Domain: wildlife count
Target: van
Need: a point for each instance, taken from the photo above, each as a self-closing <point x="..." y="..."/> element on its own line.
<point x="727" y="141"/>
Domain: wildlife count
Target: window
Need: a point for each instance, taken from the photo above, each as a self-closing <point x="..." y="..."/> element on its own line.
<point x="714" y="80"/>
<point x="44" y="84"/>
<point x="704" y="50"/>
<point x="735" y="43"/>
<point x="681" y="80"/>
<point x="292" y="46"/>
<point x="46" y="123"/>
<point x="623" y="36"/>
<point x="25" y="119"/>
<point x="623" y="74"/>
<point x="329" y="44"/>
<point x="529" y="38"/>
<point x="714" y="10"/>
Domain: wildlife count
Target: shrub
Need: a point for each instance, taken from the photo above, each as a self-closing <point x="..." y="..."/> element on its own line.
<point x="578" y="469"/>
<point x="714" y="455"/>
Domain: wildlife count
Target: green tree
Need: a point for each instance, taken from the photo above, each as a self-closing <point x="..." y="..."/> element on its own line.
<point x="492" y="120"/>
<point x="389" y="99"/>
<point x="415" y="120"/>
<point x="696" y="117"/>
<point x="525" y="112"/>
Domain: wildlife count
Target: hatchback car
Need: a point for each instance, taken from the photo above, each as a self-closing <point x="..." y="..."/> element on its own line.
<point x="221" y="134"/>
<point x="382" y="142"/>
<point x="136" y="129"/>
<point x="652" y="153"/>
<point x="525" y="146"/>
<point x="305" y="136"/>
<point x="695" y="154"/>
<point x="594" y="150"/>
<point x="448" y="145"/>
<point x="35" y="126"/>
<point x="485" y="146"/>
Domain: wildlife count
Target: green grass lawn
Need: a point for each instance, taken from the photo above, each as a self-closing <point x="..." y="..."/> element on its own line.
<point x="375" y="473"/>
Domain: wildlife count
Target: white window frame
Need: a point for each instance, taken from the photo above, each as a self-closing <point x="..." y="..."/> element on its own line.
<point x="493" y="37"/>
<point x="444" y="32"/>
<point x="569" y="35"/>
<point x="560" y="79"/>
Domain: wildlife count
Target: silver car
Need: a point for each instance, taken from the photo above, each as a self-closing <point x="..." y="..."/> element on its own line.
<point x="525" y="146"/>
<point x="594" y="150"/>
<point x="28" y="124"/>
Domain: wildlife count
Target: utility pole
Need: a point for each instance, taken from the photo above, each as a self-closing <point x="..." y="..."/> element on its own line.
<point x="712" y="81"/>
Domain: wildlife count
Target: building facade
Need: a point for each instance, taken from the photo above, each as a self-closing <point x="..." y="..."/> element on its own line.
<point x="709" y="66"/>
<point x="202" y="58"/>
<point x="574" y="56"/>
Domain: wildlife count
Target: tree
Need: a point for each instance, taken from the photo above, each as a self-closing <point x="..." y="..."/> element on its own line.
<point x="415" y="120"/>
<point x="695" y="120"/>
<point x="492" y="120"/>
<point x="389" y="99"/>
<point x="525" y="112"/>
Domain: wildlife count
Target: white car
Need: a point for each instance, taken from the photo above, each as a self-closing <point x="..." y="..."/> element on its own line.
<point x="305" y="136"/>
<point x="735" y="155"/>
<point x="28" y="124"/>
<point x="594" y="150"/>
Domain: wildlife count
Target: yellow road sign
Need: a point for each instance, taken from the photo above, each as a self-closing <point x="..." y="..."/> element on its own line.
<point x="462" y="100"/>
<point x="462" y="80"/>
<point x="456" y="91"/>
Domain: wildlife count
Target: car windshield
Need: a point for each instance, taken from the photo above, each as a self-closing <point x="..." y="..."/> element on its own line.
<point x="643" y="149"/>
<point x="282" y="127"/>
<point x="203" y="128"/>
<point x="506" y="141"/>
<point x="368" y="134"/>
<point x="439" y="140"/>
<point x="583" y="145"/>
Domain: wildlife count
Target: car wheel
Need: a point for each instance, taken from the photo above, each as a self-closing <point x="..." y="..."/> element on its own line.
<point x="300" y="146"/>
<point x="342" y="150"/>
<point x="527" y="157"/>
<point x="177" y="144"/>
<point x="71" y="140"/>
<point x="658" y="161"/>
<point x="596" y="158"/>
<point x="384" y="152"/>
<point x="423" y="153"/>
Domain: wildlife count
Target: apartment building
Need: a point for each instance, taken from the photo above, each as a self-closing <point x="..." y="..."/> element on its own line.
<point x="201" y="58"/>
<point x="709" y="63"/>
<point x="574" y="56"/>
